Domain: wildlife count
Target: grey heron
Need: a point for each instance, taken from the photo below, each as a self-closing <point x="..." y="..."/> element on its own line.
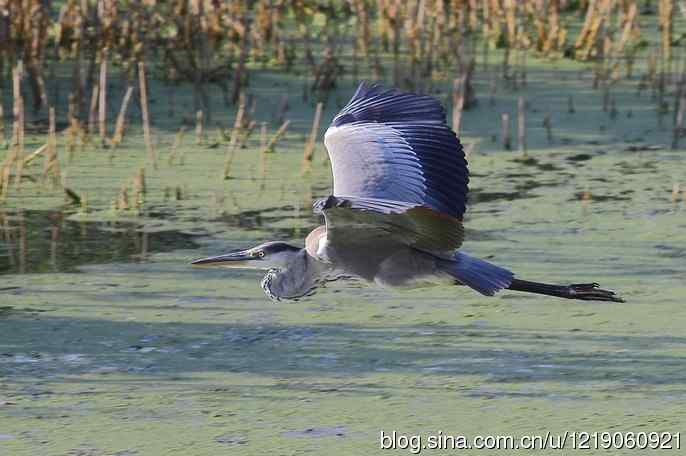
<point x="395" y="215"/>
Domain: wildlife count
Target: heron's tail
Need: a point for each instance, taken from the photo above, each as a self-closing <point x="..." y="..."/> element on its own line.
<point x="482" y="276"/>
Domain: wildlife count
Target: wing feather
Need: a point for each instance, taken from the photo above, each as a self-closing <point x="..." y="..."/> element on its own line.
<point x="399" y="171"/>
<point x="387" y="144"/>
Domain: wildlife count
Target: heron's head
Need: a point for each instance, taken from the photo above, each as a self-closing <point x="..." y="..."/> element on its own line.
<point x="269" y="255"/>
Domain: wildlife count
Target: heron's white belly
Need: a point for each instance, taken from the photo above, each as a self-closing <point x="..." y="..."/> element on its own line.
<point x="410" y="270"/>
<point x="419" y="282"/>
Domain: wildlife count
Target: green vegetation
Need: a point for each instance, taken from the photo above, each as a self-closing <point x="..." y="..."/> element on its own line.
<point x="110" y="344"/>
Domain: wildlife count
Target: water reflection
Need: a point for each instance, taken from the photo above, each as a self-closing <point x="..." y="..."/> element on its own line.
<point x="295" y="220"/>
<point x="46" y="241"/>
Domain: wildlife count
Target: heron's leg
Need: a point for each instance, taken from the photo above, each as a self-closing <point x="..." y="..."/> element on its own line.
<point x="583" y="291"/>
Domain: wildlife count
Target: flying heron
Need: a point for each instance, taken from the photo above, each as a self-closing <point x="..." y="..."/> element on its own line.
<point x="395" y="216"/>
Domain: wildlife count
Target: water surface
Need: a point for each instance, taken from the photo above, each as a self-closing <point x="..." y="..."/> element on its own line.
<point x="111" y="344"/>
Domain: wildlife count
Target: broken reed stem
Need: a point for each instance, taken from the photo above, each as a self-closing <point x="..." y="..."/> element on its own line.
<point x="263" y="136"/>
<point x="680" y="90"/>
<point x="139" y="188"/>
<point x="93" y="109"/>
<point x="198" y="127"/>
<point x="52" y="165"/>
<point x="121" y="117"/>
<point x="666" y="13"/>
<point x="283" y="109"/>
<point x="570" y="105"/>
<point x="675" y="192"/>
<point x="459" y="88"/>
<point x="144" y="113"/>
<point x="18" y="147"/>
<point x="35" y="154"/>
<point x="263" y="153"/>
<point x="123" y="198"/>
<point x="547" y="124"/>
<point x="233" y="142"/>
<point x="505" y="126"/>
<point x="246" y="135"/>
<point x="74" y="126"/>
<point x="308" y="153"/>
<point x="5" y="176"/>
<point x="2" y="122"/>
<point x="102" y="102"/>
<point x="279" y="133"/>
<point x="521" y="123"/>
<point x="679" y="124"/>
<point x="177" y="142"/>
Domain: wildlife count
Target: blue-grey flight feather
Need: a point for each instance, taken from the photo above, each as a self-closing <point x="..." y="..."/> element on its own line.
<point x="395" y="146"/>
<point x="399" y="172"/>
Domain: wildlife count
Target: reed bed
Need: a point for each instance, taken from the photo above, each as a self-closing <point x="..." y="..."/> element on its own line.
<point x="208" y="42"/>
<point x="108" y="50"/>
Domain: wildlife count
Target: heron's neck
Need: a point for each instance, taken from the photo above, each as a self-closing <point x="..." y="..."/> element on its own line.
<point x="300" y="276"/>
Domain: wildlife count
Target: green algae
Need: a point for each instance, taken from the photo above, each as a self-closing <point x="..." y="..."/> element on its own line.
<point x="152" y="357"/>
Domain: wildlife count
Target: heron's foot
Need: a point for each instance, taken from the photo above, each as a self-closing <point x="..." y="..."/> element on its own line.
<point x="591" y="292"/>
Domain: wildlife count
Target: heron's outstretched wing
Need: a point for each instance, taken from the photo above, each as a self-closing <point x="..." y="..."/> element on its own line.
<point x="390" y="145"/>
<point x="399" y="172"/>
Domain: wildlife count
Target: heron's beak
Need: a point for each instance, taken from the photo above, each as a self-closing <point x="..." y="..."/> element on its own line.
<point x="236" y="259"/>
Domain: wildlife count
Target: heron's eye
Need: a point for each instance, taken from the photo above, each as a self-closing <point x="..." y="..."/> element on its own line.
<point x="260" y="254"/>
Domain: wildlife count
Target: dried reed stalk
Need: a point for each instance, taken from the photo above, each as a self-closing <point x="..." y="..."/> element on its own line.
<point x="679" y="124"/>
<point x="18" y="146"/>
<point x="123" y="198"/>
<point x="505" y="128"/>
<point x="510" y="7"/>
<point x="241" y="68"/>
<point x="199" y="136"/>
<point x="279" y="133"/>
<point x="521" y="123"/>
<point x="597" y="14"/>
<point x="35" y="154"/>
<point x="666" y="12"/>
<point x="175" y="146"/>
<point x="263" y="135"/>
<point x="235" y="132"/>
<point x="547" y="124"/>
<point x="247" y="132"/>
<point x="308" y="153"/>
<point x="52" y="164"/>
<point x="73" y="130"/>
<point x="2" y="122"/>
<point x="93" y="109"/>
<point x="121" y="117"/>
<point x="283" y="109"/>
<point x="459" y="88"/>
<point x="139" y="188"/>
<point x="102" y="102"/>
<point x="144" y="112"/>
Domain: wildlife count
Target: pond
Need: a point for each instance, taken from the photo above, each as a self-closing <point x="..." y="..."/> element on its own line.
<point x="111" y="344"/>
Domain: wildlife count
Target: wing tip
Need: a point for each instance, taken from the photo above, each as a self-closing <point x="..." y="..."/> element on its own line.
<point x="373" y="101"/>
